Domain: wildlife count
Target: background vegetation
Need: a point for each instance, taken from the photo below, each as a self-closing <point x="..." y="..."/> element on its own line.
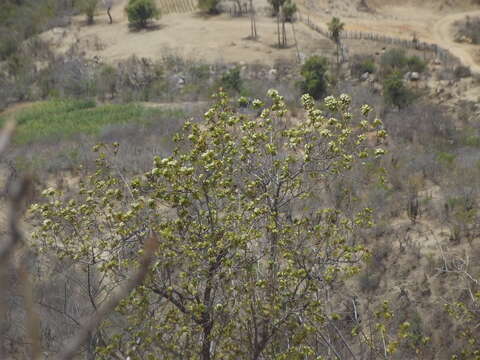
<point x="354" y="257"/>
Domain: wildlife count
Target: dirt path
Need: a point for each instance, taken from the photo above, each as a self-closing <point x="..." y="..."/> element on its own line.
<point x="12" y="109"/>
<point x="443" y="36"/>
<point x="402" y="22"/>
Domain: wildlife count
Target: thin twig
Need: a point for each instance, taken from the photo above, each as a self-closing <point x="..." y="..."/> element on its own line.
<point x="32" y="320"/>
<point x="6" y="135"/>
<point x="19" y="193"/>
<point x="94" y="322"/>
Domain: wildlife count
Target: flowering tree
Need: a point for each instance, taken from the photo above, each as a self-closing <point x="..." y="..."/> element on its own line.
<point x="250" y="259"/>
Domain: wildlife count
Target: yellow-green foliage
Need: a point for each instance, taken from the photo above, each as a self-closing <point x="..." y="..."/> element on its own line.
<point x="62" y="119"/>
<point x="243" y="251"/>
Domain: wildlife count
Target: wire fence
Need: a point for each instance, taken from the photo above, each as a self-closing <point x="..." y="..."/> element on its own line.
<point x="177" y="6"/>
<point x="440" y="53"/>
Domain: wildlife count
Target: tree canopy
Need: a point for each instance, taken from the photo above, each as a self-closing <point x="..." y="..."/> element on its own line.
<point x="315" y="79"/>
<point x="139" y="12"/>
<point x="251" y="256"/>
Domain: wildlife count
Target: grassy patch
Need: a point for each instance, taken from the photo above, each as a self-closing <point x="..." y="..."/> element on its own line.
<point x="58" y="120"/>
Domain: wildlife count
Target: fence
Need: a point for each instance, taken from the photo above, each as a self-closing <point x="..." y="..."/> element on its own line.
<point x="442" y="54"/>
<point x="177" y="6"/>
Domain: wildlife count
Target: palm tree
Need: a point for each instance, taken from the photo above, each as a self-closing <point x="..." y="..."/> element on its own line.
<point x="335" y="26"/>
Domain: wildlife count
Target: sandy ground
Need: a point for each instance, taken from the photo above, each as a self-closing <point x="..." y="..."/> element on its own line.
<point x="443" y="34"/>
<point x="211" y="39"/>
<point x="430" y="21"/>
<point x="224" y="39"/>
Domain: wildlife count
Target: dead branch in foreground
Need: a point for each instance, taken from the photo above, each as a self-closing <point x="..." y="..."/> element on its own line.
<point x="16" y="197"/>
<point x="94" y="322"/>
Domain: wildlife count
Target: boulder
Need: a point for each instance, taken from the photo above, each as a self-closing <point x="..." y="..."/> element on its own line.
<point x="365" y="76"/>
<point x="414" y="76"/>
<point x="272" y="74"/>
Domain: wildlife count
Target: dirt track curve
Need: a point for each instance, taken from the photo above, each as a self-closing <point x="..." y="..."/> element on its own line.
<point x="443" y="36"/>
<point x="432" y="29"/>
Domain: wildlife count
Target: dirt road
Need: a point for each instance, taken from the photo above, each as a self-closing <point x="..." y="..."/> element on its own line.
<point x="402" y="22"/>
<point x="443" y="36"/>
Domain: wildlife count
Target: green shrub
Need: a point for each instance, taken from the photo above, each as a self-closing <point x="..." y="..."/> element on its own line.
<point x="363" y="64"/>
<point x="398" y="60"/>
<point x="314" y="73"/>
<point x="276" y="5"/>
<point x="445" y="158"/>
<point x="231" y="80"/>
<point x="289" y="9"/>
<point x="209" y="6"/>
<point x="394" y="59"/>
<point x="88" y="7"/>
<point x="472" y="140"/>
<point x="395" y="92"/>
<point x="139" y="12"/>
<point x="414" y="63"/>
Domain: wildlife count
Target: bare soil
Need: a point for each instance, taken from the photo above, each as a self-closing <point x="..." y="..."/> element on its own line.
<point x="429" y="21"/>
<point x="192" y="35"/>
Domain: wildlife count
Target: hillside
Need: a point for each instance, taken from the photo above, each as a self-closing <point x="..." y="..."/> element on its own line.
<point x="160" y="200"/>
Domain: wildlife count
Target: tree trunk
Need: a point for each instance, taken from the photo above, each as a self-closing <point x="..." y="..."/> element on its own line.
<point x="90" y="350"/>
<point x="109" y="15"/>
<point x="206" y="342"/>
<point x="278" y="29"/>
<point x="253" y="25"/>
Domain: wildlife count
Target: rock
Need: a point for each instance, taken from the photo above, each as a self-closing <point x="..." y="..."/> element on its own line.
<point x="97" y="59"/>
<point x="272" y="74"/>
<point x="365" y="76"/>
<point x="407" y="76"/>
<point x="414" y="76"/>
<point x="178" y="80"/>
<point x="437" y="62"/>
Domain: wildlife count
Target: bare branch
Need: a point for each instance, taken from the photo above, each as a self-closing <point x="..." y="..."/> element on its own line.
<point x="94" y="322"/>
<point x="19" y="193"/>
<point x="32" y="319"/>
<point x="6" y="135"/>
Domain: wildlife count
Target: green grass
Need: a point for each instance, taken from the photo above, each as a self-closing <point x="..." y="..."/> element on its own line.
<point x="58" y="120"/>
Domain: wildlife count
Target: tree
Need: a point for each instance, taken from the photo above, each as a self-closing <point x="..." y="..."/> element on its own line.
<point x="88" y="7"/>
<point x="108" y="5"/>
<point x="289" y="10"/>
<point x="253" y="23"/>
<point x="210" y="6"/>
<point x="251" y="260"/>
<point x="276" y="5"/>
<point x="395" y="91"/>
<point x="335" y="26"/>
<point x="139" y="12"/>
<point x="232" y="80"/>
<point x="315" y="80"/>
